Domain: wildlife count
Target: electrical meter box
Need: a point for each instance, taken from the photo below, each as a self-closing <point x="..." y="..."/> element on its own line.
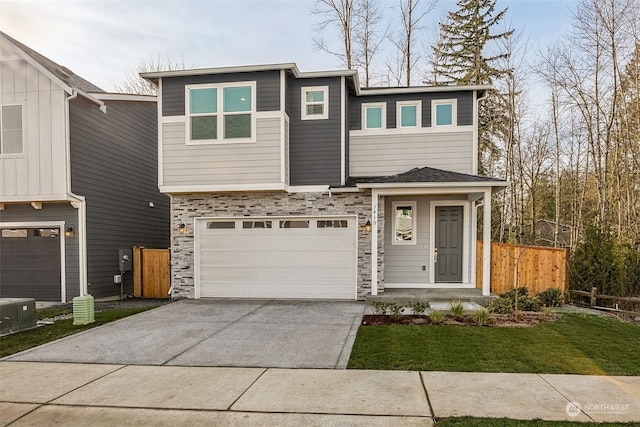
<point x="125" y="259"/>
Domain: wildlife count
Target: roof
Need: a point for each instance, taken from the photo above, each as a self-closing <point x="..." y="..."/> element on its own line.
<point x="67" y="76"/>
<point x="425" y="175"/>
<point x="154" y="76"/>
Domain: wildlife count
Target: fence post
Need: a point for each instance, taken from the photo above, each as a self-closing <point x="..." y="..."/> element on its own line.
<point x="593" y="296"/>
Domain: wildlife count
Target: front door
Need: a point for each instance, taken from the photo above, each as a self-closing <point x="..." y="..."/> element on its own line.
<point x="448" y="251"/>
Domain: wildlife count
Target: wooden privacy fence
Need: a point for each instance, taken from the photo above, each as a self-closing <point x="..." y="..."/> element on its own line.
<point x="538" y="267"/>
<point x="151" y="272"/>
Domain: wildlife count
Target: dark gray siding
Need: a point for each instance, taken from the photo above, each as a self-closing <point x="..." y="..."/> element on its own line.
<point x="465" y="107"/>
<point x="52" y="212"/>
<point x="314" y="145"/>
<point x="267" y="88"/>
<point x="114" y="165"/>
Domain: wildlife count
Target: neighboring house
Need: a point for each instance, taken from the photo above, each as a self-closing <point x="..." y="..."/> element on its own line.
<point x="286" y="184"/>
<point x="78" y="180"/>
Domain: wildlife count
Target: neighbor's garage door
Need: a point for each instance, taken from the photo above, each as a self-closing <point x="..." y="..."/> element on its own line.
<point x="291" y="257"/>
<point x="30" y="263"/>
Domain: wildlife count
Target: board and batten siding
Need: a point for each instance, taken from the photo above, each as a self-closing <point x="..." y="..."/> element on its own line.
<point x="267" y="89"/>
<point x="114" y="166"/>
<point x="224" y="163"/>
<point x="40" y="170"/>
<point x="314" y="147"/>
<point x="389" y="153"/>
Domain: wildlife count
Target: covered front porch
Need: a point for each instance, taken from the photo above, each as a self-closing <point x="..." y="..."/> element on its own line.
<point x="424" y="230"/>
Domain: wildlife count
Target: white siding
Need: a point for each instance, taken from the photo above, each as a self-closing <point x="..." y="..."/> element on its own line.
<point x="219" y="164"/>
<point x="40" y="171"/>
<point x="392" y="153"/>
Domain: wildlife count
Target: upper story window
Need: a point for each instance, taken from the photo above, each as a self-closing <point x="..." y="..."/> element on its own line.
<point x="315" y="103"/>
<point x="409" y="114"/>
<point x="221" y="112"/>
<point x="374" y="116"/>
<point x="11" y="135"/>
<point x="444" y="112"/>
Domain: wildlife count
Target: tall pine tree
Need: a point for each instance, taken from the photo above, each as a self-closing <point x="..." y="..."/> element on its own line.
<point x="469" y="52"/>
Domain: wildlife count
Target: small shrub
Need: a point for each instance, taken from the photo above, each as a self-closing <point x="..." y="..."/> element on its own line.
<point x="436" y="316"/>
<point x="396" y="309"/>
<point x="549" y="312"/>
<point x="380" y="307"/>
<point x="505" y="304"/>
<point x="419" y="307"/>
<point x="551" y="297"/>
<point x="500" y="305"/>
<point x="481" y="316"/>
<point x="457" y="309"/>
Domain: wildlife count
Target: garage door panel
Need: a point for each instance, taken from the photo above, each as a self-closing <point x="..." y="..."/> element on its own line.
<point x="278" y="262"/>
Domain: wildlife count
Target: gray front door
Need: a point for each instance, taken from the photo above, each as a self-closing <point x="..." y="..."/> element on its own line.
<point x="448" y="257"/>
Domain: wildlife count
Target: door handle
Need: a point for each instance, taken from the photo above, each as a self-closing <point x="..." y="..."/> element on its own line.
<point x="435" y="256"/>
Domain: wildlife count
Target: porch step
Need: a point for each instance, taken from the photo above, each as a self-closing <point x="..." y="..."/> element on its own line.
<point x="432" y="296"/>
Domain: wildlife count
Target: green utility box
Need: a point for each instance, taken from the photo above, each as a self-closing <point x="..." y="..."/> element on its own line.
<point x="83" y="310"/>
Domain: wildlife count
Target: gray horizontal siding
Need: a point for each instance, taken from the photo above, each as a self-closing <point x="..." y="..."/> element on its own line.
<point x="52" y="212"/>
<point x="464" y="103"/>
<point x="222" y="164"/>
<point x="267" y="88"/>
<point x="114" y="165"/>
<point x="314" y="145"/>
<point x="377" y="155"/>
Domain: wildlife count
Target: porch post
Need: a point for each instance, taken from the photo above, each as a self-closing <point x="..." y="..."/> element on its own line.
<point x="486" y="244"/>
<point x="374" y="242"/>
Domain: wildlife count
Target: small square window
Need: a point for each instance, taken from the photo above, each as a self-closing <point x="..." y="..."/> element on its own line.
<point x="315" y="103"/>
<point x="374" y="116"/>
<point x="256" y="224"/>
<point x="294" y="224"/>
<point x="335" y="223"/>
<point x="221" y="225"/>
<point x="404" y="223"/>
<point x="409" y="114"/>
<point x="444" y="112"/>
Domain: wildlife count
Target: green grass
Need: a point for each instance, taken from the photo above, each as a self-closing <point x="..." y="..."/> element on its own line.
<point x="21" y="341"/>
<point x="504" y="422"/>
<point x="577" y="343"/>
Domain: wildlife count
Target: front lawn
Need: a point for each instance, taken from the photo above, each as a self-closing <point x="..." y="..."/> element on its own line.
<point x="577" y="343"/>
<point x="24" y="340"/>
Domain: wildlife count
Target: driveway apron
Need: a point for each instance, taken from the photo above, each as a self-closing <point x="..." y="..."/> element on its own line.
<point x="218" y="332"/>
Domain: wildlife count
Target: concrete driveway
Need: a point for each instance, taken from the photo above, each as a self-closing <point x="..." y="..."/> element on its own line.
<point x="242" y="333"/>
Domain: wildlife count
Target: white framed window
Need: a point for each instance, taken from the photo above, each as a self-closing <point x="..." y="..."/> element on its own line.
<point x="374" y="116"/>
<point x="222" y="112"/>
<point x="408" y="114"/>
<point x="11" y="129"/>
<point x="444" y="112"/>
<point x="404" y="223"/>
<point x="315" y="103"/>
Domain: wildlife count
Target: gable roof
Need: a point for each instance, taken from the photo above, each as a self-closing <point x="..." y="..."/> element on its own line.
<point x="425" y="175"/>
<point x="65" y="75"/>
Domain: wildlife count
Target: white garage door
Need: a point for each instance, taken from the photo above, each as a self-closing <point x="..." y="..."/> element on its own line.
<point x="288" y="257"/>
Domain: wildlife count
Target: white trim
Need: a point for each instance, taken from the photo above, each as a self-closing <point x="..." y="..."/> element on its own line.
<point x="388" y="285"/>
<point x="374" y="242"/>
<point x="417" y="89"/>
<point x="284" y="122"/>
<point x="383" y="112"/>
<point x="440" y="187"/>
<point x="454" y="112"/>
<point x="220" y="114"/>
<point x="418" y="105"/>
<point x="343" y="142"/>
<point x="49" y="224"/>
<point x="308" y="189"/>
<point x="486" y="248"/>
<point x="161" y="136"/>
<point x="412" y="131"/>
<point x="222" y="187"/>
<point x="22" y="129"/>
<point x="304" y="103"/>
<point x="123" y="97"/>
<point x="474" y="159"/>
<point x="195" y="227"/>
<point x="171" y="119"/>
<point x="414" y="222"/>
<point x="465" y="238"/>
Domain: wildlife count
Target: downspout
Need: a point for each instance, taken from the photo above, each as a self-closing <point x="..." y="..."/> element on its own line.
<point x="77" y="202"/>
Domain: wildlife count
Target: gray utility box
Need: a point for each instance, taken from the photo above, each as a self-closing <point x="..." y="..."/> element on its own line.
<point x="17" y="314"/>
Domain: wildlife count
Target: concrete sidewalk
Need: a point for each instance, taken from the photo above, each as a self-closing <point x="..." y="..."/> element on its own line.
<point x="33" y="393"/>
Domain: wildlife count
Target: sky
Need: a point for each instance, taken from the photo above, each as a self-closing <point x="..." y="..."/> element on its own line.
<point x="101" y="40"/>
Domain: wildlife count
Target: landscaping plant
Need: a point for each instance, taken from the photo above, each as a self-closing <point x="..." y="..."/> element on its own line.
<point x="419" y="307"/>
<point x="551" y="297"/>
<point x="481" y="316"/>
<point x="436" y="317"/>
<point x="457" y="309"/>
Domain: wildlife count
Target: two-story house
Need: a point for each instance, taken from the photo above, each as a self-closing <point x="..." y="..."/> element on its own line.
<point x="286" y="184"/>
<point x="78" y="180"/>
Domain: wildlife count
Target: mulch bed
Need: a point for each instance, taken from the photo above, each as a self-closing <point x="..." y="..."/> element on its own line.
<point x="496" y="320"/>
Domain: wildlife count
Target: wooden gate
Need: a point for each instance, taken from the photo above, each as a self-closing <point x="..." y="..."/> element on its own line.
<point x="151" y="272"/>
<point x="538" y="267"/>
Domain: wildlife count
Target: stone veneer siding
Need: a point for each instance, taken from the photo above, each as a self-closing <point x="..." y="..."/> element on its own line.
<point x="186" y="207"/>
